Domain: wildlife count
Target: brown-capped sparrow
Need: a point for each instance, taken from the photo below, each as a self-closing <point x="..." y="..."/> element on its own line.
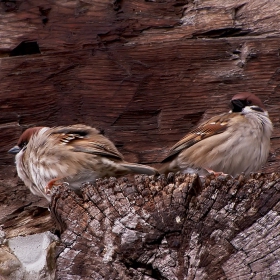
<point x="74" y="154"/>
<point x="231" y="143"/>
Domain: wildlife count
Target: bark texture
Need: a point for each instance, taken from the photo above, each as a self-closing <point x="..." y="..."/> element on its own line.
<point x="174" y="228"/>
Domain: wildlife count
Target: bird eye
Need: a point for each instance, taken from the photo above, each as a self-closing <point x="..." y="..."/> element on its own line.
<point x="23" y="144"/>
<point x="249" y="102"/>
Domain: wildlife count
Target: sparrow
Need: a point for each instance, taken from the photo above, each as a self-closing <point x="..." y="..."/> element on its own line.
<point x="230" y="143"/>
<point x="73" y="154"/>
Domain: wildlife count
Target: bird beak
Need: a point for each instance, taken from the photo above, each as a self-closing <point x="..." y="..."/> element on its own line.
<point x="14" y="150"/>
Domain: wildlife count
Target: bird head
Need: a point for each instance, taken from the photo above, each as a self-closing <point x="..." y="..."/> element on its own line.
<point x="24" y="139"/>
<point x="244" y="99"/>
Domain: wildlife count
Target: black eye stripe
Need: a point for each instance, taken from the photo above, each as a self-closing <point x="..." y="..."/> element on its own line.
<point x="258" y="109"/>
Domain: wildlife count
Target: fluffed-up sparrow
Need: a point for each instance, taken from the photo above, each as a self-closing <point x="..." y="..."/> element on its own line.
<point x="231" y="143"/>
<point x="74" y="154"/>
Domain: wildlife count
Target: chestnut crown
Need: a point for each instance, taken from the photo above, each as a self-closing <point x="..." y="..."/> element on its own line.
<point x="241" y="100"/>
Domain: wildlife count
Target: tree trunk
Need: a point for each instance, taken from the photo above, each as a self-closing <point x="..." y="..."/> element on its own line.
<point x="174" y="228"/>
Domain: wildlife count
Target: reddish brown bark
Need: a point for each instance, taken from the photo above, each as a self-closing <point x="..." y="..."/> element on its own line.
<point x="177" y="228"/>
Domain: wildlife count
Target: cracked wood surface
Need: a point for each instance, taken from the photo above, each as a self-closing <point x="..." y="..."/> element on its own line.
<point x="174" y="228"/>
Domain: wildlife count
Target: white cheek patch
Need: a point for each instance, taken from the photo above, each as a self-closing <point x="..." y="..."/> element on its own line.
<point x="20" y="168"/>
<point x="18" y="157"/>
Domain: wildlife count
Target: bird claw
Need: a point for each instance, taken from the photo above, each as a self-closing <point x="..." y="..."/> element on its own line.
<point x="53" y="183"/>
<point x="216" y="173"/>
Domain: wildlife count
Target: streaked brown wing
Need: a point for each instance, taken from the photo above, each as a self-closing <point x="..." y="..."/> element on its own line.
<point x="103" y="148"/>
<point x="81" y="138"/>
<point x="213" y="126"/>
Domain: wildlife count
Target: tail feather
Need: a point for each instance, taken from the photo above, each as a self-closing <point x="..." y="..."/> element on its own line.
<point x="140" y="168"/>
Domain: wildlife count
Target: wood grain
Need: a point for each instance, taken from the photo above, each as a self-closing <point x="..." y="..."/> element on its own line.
<point x="174" y="228"/>
<point x="143" y="104"/>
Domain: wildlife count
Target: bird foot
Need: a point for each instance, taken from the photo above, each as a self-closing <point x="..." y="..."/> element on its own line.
<point x="52" y="183"/>
<point x="216" y="173"/>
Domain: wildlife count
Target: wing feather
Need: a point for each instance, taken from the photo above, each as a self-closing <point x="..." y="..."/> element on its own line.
<point x="213" y="126"/>
<point x="81" y="138"/>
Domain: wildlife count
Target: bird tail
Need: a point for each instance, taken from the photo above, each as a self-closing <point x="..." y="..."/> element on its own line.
<point x="164" y="169"/>
<point x="140" y="168"/>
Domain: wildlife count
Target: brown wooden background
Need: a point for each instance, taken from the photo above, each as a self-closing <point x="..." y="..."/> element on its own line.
<point x="143" y="71"/>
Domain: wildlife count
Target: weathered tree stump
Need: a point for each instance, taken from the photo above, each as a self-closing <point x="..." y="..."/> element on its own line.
<point x="170" y="228"/>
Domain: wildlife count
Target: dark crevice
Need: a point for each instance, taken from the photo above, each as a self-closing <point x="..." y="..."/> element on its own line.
<point x="26" y="48"/>
<point x="117" y="5"/>
<point x="237" y="10"/>
<point x="44" y="14"/>
<point x="15" y="213"/>
<point x="10" y="5"/>
<point x="64" y="69"/>
<point x="222" y="32"/>
<point x="155" y="241"/>
<point x="146" y="269"/>
<point x="180" y="4"/>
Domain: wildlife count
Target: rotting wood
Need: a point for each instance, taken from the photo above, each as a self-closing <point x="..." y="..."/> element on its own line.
<point x="174" y="228"/>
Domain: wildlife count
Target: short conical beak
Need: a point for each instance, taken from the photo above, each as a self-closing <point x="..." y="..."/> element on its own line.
<point x="14" y="150"/>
